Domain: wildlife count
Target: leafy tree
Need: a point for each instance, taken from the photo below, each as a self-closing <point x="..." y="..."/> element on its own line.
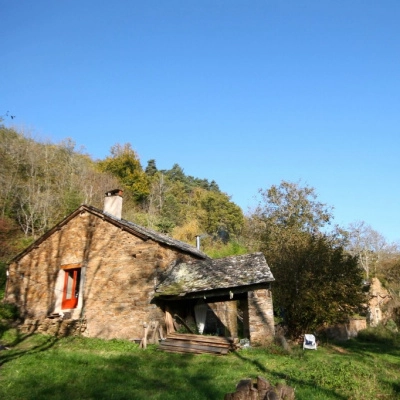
<point x="316" y="282"/>
<point x="213" y="186"/>
<point x="176" y="199"/>
<point x="218" y="216"/>
<point x="151" y="168"/>
<point x="124" y="163"/>
<point x="188" y="231"/>
<point x="290" y="205"/>
<point x="389" y="274"/>
<point x="176" y="174"/>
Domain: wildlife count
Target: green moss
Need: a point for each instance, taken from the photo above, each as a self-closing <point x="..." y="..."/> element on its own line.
<point x="175" y="288"/>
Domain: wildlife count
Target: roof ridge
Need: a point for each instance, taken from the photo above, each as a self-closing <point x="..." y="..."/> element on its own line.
<point x="143" y="232"/>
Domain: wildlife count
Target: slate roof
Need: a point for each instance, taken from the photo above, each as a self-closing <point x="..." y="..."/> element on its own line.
<point x="222" y="273"/>
<point x="148" y="233"/>
<point x="140" y="231"/>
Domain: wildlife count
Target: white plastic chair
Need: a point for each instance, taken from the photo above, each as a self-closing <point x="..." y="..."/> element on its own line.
<point x="309" y="342"/>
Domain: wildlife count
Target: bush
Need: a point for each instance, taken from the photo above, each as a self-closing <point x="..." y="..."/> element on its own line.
<point x="8" y="312"/>
<point x="379" y="334"/>
<point x="3" y="278"/>
<point x="391" y="325"/>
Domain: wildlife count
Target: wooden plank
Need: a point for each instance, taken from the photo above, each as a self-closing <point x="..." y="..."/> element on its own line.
<point x="71" y="266"/>
<point x="194" y="342"/>
<point x="195" y="351"/>
<point x="198" y="344"/>
<point x="229" y="348"/>
<point x="192" y="351"/>
<point x="214" y="339"/>
<point x="221" y="338"/>
<point x="171" y="346"/>
<point x="186" y="345"/>
<point x="204" y="339"/>
<point x="201" y="341"/>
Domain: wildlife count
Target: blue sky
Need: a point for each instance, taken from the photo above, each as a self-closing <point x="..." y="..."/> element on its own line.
<point x="246" y="93"/>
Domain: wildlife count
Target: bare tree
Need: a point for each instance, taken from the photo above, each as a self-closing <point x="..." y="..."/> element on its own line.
<point x="369" y="245"/>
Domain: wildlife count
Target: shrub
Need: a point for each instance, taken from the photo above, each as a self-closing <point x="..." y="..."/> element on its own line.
<point x="8" y="312"/>
<point x="379" y="334"/>
<point x="391" y="325"/>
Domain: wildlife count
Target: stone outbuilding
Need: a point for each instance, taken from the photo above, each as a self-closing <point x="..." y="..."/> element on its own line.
<point x="379" y="297"/>
<point x="113" y="277"/>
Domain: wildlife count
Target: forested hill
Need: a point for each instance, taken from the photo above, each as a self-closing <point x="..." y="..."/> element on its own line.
<point x="42" y="182"/>
<point x="315" y="270"/>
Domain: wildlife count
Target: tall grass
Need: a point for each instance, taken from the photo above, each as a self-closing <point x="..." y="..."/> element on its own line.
<point x="44" y="367"/>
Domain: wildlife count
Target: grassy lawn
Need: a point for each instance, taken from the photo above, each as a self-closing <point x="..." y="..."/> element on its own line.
<point x="44" y="367"/>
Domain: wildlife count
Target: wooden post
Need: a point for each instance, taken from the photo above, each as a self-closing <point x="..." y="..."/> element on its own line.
<point x="231" y="319"/>
<point x="161" y="333"/>
<point x="154" y="335"/>
<point x="143" y="343"/>
<point x="169" y="322"/>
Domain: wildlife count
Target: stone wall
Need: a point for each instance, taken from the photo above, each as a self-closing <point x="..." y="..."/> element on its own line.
<point x="121" y="271"/>
<point x="223" y="316"/>
<point x="345" y="331"/>
<point x="378" y="298"/>
<point x="261" y="317"/>
<point x="54" y="326"/>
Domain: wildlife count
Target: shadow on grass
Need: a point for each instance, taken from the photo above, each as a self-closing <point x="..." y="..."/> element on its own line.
<point x="396" y="388"/>
<point x="45" y="343"/>
<point x="54" y="369"/>
<point x="138" y="376"/>
<point x="377" y="340"/>
<point x="291" y="381"/>
<point x="170" y="377"/>
<point x="380" y="346"/>
<point x="80" y="368"/>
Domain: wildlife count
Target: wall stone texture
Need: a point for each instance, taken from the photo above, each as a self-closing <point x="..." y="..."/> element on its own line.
<point x="345" y="331"/>
<point x="121" y="271"/>
<point x="223" y="315"/>
<point x="261" y="317"/>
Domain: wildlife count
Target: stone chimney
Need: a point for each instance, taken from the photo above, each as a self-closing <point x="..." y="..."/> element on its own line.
<point x="113" y="203"/>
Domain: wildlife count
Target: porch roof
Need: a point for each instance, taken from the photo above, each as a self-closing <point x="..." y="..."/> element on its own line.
<point x="210" y="275"/>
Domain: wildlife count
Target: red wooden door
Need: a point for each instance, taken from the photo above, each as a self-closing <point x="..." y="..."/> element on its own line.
<point x="71" y="288"/>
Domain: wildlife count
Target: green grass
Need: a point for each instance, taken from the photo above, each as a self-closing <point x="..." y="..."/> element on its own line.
<point x="44" y="367"/>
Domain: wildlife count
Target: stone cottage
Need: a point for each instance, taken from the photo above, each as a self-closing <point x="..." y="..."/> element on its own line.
<point x="117" y="276"/>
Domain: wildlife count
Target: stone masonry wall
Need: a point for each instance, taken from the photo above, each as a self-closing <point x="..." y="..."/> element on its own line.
<point x="261" y="317"/>
<point x="121" y="271"/>
<point x="223" y="316"/>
